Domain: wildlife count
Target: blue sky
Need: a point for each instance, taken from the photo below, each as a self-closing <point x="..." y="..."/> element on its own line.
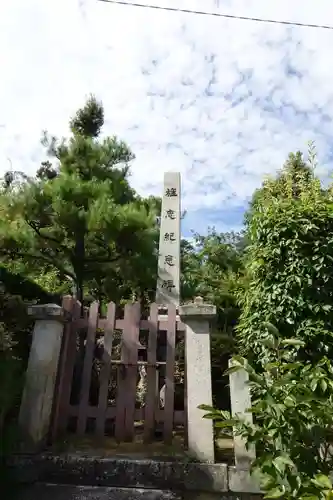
<point x="221" y="101"/>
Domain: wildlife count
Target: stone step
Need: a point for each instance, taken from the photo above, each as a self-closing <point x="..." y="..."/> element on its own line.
<point x="120" y="473"/>
<point x="76" y="492"/>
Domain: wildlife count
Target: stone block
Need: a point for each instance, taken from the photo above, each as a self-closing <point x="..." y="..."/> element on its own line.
<point x="241" y="481"/>
<point x="240" y="402"/>
<point x="47" y="311"/>
<point x="196" y="317"/>
<point x="41" y="374"/>
<point x="197" y="309"/>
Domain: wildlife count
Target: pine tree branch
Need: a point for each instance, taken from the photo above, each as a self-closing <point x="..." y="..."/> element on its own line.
<point x="48" y="238"/>
<point x="49" y="260"/>
<point x="101" y="259"/>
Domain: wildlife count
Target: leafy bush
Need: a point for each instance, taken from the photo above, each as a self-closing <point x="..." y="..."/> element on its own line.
<point x="15" y="338"/>
<point x="290" y="261"/>
<point x="293" y="421"/>
<point x="10" y="371"/>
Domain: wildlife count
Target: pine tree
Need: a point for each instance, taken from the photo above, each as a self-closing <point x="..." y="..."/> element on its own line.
<point x="79" y="215"/>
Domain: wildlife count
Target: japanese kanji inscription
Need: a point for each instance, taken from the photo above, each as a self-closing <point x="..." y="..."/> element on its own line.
<point x="168" y="282"/>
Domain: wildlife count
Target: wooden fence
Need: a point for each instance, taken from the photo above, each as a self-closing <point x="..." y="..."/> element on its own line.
<point x="89" y="342"/>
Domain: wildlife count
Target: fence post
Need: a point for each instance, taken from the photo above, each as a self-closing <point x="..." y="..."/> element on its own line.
<point x="41" y="374"/>
<point x="240" y="401"/>
<point x="196" y="317"/>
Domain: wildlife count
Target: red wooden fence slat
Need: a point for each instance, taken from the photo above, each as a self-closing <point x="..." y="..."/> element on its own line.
<point x="169" y="375"/>
<point x="87" y="367"/>
<point x="131" y="337"/>
<point x="151" y="375"/>
<point x="59" y="408"/>
<point x="67" y="368"/>
<point x="105" y="370"/>
<point x="120" y="403"/>
<point x="121" y="377"/>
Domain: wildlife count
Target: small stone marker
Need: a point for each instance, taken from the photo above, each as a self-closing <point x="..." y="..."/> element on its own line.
<point x="168" y="280"/>
<point x="37" y="400"/>
<point x="240" y="397"/>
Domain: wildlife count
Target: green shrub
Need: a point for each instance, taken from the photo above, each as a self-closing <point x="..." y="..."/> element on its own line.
<point x="15" y="339"/>
<point x="290" y="263"/>
<point x="293" y="421"/>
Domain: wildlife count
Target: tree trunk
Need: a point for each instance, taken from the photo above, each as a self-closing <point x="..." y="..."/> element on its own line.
<point x="79" y="264"/>
<point x="79" y="288"/>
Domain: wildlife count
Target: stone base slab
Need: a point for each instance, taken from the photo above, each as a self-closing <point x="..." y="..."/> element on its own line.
<point x="115" y="472"/>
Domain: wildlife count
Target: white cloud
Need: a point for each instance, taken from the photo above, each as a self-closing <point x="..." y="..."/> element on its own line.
<point x="222" y="101"/>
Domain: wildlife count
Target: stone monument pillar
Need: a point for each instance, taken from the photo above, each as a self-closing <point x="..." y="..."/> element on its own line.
<point x="168" y="281"/>
<point x="168" y="274"/>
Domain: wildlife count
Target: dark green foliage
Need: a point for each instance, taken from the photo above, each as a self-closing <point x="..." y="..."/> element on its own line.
<point x="289" y="283"/>
<point x="13" y="283"/>
<point x="212" y="268"/>
<point x="290" y="229"/>
<point x="294" y="179"/>
<point x="8" y="179"/>
<point x="81" y="218"/>
<point x="15" y="339"/>
<point x="89" y="120"/>
<point x="46" y="171"/>
<point x="292" y="433"/>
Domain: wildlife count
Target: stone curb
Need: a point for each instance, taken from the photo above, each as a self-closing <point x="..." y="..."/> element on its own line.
<point x="115" y="472"/>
